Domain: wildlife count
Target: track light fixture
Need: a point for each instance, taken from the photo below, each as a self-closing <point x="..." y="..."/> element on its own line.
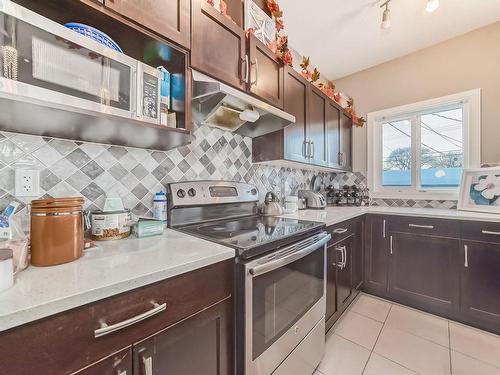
<point x="431" y="6"/>
<point x="386" y="16"/>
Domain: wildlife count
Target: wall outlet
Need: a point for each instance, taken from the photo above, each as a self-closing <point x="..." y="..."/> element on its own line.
<point x="27" y="183"/>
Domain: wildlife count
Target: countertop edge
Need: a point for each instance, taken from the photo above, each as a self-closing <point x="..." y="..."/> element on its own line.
<point x="31" y="315"/>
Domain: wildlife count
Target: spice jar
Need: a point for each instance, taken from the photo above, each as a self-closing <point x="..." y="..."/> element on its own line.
<point x="56" y="230"/>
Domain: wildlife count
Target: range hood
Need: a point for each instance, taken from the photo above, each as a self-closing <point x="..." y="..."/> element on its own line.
<point x="219" y="105"/>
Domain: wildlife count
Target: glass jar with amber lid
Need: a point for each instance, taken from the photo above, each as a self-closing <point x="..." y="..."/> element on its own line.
<point x="56" y="230"/>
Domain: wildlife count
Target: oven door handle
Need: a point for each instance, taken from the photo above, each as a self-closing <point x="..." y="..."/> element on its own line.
<point x="274" y="264"/>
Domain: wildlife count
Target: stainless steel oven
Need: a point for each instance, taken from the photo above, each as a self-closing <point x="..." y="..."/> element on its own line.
<point x="284" y="302"/>
<point x="43" y="62"/>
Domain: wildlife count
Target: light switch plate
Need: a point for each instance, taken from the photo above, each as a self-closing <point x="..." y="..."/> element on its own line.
<point x="27" y="183"/>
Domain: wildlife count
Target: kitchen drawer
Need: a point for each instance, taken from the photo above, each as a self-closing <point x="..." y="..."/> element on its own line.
<point x="424" y="225"/>
<point x="66" y="342"/>
<point x="343" y="230"/>
<point x="481" y="231"/>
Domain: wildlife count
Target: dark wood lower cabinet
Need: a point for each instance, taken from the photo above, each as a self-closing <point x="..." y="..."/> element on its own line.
<point x="66" y="342"/>
<point x="201" y="344"/>
<point x="344" y="272"/>
<point x="344" y="268"/>
<point x="480" y="284"/>
<point x="376" y="254"/>
<point x="423" y="272"/>
<point x="117" y="364"/>
<point x="331" y="283"/>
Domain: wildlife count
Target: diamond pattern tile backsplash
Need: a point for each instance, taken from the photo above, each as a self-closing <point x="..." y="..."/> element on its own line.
<point x="95" y="171"/>
<point x="70" y="168"/>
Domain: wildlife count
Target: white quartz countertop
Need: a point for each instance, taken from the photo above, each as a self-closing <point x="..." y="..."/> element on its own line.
<point x="114" y="267"/>
<point x="334" y="215"/>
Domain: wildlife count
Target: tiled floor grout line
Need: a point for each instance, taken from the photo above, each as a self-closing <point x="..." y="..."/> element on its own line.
<point x="378" y="336"/>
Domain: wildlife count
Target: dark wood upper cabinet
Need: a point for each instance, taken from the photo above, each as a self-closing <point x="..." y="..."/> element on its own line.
<point x="345" y="141"/>
<point x="218" y="45"/>
<point x="480" y="279"/>
<point x="376" y="254"/>
<point x="201" y="344"/>
<point x="333" y="134"/>
<point x="296" y="95"/>
<point x="266" y="73"/>
<point x="317" y="127"/>
<point x="117" y="364"/>
<point x="169" y="18"/>
<point x="423" y="272"/>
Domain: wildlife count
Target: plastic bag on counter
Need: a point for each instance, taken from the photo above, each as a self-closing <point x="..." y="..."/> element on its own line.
<point x="12" y="237"/>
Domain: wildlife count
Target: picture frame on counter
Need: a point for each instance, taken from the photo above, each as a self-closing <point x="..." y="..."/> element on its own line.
<point x="480" y="190"/>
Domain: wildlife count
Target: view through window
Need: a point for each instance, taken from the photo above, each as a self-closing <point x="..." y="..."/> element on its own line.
<point x="424" y="151"/>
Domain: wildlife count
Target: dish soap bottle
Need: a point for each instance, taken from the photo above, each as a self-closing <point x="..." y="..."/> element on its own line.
<point x="160" y="206"/>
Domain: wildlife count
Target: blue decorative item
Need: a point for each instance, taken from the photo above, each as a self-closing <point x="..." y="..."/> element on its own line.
<point x="94" y="34"/>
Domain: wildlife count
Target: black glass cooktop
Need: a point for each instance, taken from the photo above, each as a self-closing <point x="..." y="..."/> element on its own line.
<point x="254" y="235"/>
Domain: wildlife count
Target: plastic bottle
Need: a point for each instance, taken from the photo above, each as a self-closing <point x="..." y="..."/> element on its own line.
<point x="160" y="206"/>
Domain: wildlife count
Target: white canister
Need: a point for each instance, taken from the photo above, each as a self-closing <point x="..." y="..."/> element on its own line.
<point x="6" y="269"/>
<point x="160" y="206"/>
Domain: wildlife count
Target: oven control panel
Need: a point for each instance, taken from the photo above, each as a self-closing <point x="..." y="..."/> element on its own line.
<point x="201" y="193"/>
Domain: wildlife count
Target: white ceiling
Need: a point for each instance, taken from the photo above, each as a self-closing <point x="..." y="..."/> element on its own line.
<point x="344" y="36"/>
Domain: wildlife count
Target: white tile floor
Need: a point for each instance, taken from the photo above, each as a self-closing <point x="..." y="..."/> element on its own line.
<point x="378" y="337"/>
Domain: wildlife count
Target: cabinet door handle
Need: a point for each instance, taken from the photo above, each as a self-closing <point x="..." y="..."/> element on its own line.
<point x="383" y="229"/>
<point x="304" y="148"/>
<point x="308" y="150"/>
<point x="106" y="329"/>
<point x="490" y="232"/>
<point x="244" y="62"/>
<point x="339" y="265"/>
<point x="422" y="226"/>
<point x="345" y="256"/>
<point x="391" y="245"/>
<point x="148" y="365"/>
<point x="339" y="230"/>
<point x="312" y="149"/>
<point x="466" y="256"/>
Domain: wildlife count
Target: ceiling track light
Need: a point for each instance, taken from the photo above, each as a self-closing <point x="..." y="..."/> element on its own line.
<point x="386" y="16"/>
<point x="432" y="5"/>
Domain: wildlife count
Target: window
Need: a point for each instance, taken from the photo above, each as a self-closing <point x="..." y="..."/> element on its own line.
<point x="420" y="150"/>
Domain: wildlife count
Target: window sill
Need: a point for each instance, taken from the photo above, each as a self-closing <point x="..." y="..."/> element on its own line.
<point x="415" y="195"/>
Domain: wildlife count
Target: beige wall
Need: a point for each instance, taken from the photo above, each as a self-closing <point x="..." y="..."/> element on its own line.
<point x="466" y="62"/>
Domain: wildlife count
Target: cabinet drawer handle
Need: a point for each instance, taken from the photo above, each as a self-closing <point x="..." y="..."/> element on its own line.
<point x="466" y="256"/>
<point x="490" y="232"/>
<point x="106" y="329"/>
<point x="148" y="365"/>
<point x="339" y="230"/>
<point x="391" y="244"/>
<point x="422" y="226"/>
<point x="124" y="372"/>
<point x="383" y="229"/>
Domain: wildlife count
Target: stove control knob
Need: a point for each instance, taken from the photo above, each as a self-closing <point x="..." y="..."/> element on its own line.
<point x="181" y="193"/>
<point x="191" y="192"/>
<point x="253" y="191"/>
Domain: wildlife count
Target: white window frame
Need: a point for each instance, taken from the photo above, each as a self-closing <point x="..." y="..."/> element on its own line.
<point x="471" y="101"/>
